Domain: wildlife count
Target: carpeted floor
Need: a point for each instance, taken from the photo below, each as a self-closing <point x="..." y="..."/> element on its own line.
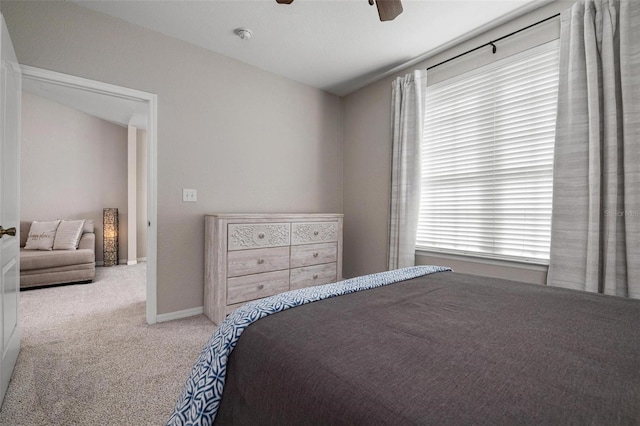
<point x="87" y="356"/>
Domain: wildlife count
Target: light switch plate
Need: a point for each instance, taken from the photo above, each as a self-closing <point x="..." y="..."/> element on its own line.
<point x="190" y="195"/>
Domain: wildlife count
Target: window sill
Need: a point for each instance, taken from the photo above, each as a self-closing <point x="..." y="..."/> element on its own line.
<point x="540" y="266"/>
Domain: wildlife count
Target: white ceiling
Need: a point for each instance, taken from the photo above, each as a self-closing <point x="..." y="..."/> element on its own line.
<point x="334" y="45"/>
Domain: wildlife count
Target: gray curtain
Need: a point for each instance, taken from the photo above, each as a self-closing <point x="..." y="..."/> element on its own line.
<point x="595" y="232"/>
<point x="407" y="122"/>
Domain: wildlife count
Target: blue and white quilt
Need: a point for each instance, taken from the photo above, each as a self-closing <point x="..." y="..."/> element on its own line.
<point x="201" y="396"/>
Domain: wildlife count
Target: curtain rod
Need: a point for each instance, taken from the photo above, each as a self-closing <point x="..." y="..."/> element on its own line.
<point x="491" y="43"/>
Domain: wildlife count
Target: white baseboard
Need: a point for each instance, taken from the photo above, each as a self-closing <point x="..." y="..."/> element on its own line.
<point x="120" y="262"/>
<point x="124" y="261"/>
<point x="101" y="262"/>
<point x="180" y="314"/>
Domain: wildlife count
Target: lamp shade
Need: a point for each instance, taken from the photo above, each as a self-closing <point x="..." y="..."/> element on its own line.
<point x="110" y="236"/>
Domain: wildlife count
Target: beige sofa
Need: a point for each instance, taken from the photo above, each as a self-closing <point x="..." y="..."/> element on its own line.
<point x="42" y="268"/>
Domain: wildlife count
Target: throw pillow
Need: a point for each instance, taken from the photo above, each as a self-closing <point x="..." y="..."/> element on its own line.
<point x="68" y="235"/>
<point x="88" y="226"/>
<point x="41" y="235"/>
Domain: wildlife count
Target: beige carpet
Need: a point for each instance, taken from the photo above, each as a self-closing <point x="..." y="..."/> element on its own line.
<point x="88" y="358"/>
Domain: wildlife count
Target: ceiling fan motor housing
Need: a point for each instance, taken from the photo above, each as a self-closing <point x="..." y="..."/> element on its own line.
<point x="388" y="10"/>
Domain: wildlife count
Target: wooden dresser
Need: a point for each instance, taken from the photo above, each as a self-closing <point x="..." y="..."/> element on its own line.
<point x="251" y="256"/>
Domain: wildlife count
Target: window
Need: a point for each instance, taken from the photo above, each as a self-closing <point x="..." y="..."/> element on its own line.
<point x="487" y="159"/>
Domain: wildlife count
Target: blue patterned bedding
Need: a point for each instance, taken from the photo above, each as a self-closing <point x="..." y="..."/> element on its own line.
<point x="201" y="396"/>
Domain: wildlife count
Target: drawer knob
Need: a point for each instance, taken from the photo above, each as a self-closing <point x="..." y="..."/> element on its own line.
<point x="261" y="235"/>
<point x="315" y="254"/>
<point x="315" y="276"/>
<point x="261" y="286"/>
<point x="316" y="232"/>
<point x="260" y="261"/>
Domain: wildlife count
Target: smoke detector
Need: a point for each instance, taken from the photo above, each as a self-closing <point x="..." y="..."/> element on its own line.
<point x="243" y="33"/>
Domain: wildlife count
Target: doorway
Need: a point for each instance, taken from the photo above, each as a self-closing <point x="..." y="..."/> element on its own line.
<point x="125" y="106"/>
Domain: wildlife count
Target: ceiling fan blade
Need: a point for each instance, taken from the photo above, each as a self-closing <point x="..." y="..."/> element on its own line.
<point x="388" y="10"/>
<point x="284" y="1"/>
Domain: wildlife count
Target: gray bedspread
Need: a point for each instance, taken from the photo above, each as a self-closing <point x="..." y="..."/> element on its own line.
<point x="446" y="348"/>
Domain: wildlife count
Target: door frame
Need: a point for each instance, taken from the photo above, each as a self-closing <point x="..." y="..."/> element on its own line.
<point x="151" y="100"/>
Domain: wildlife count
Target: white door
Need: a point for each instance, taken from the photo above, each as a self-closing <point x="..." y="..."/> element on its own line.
<point x="10" y="98"/>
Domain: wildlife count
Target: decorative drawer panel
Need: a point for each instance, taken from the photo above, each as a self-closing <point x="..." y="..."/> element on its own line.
<point x="313" y="254"/>
<point x="251" y="236"/>
<point x="313" y="232"/>
<point x="247" y="262"/>
<point x="251" y="287"/>
<point x="312" y="275"/>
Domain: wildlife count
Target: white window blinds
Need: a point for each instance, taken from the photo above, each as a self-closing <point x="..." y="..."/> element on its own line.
<point x="487" y="159"/>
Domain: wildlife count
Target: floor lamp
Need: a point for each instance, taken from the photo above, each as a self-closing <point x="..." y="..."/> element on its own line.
<point x="110" y="236"/>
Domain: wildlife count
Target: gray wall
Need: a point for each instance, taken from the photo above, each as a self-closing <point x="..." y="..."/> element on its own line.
<point x="72" y="166"/>
<point x="367" y="150"/>
<point x="141" y="194"/>
<point x="247" y="140"/>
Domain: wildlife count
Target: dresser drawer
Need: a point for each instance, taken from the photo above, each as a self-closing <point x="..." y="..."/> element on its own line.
<point x="308" y="276"/>
<point x="258" y="235"/>
<point x="313" y="232"/>
<point x="313" y="254"/>
<point x="256" y="261"/>
<point x="251" y="287"/>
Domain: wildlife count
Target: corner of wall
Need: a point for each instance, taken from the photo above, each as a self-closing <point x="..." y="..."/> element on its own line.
<point x="342" y="144"/>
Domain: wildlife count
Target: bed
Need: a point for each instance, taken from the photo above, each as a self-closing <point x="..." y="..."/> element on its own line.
<point x="421" y="345"/>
